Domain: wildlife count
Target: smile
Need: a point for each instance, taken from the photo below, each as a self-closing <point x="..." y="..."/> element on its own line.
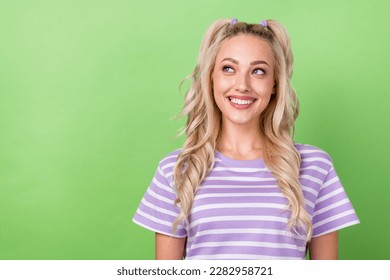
<point x="241" y="101"/>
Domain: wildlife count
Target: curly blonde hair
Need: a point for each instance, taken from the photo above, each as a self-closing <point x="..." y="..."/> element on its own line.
<point x="203" y="126"/>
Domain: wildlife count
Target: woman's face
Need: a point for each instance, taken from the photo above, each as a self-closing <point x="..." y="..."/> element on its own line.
<point x="243" y="79"/>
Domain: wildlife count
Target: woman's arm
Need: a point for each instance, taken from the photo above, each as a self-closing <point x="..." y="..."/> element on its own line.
<point x="169" y="248"/>
<point x="324" y="247"/>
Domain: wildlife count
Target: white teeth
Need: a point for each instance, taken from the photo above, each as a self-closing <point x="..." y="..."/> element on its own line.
<point x="240" y="101"/>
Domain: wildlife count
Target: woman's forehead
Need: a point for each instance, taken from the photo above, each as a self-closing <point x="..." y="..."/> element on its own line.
<point x="245" y="48"/>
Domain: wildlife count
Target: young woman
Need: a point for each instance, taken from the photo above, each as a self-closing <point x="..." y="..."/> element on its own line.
<point x="240" y="187"/>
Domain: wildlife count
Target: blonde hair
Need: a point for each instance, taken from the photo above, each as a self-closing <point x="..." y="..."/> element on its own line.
<point x="203" y="125"/>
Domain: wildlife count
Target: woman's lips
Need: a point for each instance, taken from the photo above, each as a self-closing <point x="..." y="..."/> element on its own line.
<point x="241" y="102"/>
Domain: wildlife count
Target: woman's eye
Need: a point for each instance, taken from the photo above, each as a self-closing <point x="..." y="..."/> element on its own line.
<point x="258" y="72"/>
<point x="228" y="69"/>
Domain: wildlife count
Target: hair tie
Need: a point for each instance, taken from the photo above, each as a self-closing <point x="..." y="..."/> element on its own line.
<point x="264" y="23"/>
<point x="233" y="21"/>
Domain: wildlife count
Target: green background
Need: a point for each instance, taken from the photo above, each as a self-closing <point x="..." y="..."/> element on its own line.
<point x="88" y="90"/>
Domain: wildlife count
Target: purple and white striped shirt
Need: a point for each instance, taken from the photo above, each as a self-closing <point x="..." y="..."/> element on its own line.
<point x="240" y="213"/>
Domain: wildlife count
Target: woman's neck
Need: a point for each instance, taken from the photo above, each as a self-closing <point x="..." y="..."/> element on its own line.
<point x="240" y="142"/>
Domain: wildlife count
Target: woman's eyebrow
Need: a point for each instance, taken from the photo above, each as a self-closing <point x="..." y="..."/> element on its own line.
<point x="259" y="62"/>
<point x="230" y="59"/>
<point x="236" y="61"/>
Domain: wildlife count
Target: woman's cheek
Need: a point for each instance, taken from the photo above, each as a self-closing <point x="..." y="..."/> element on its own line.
<point x="222" y="84"/>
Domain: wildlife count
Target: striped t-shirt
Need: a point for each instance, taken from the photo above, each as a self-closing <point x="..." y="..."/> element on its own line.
<point x="240" y="213"/>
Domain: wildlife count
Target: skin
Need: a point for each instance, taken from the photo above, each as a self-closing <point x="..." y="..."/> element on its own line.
<point x="244" y="69"/>
<point x="169" y="248"/>
<point x="324" y="247"/>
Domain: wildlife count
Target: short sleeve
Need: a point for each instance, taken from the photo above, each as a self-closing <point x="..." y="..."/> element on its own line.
<point x="156" y="210"/>
<point x="333" y="209"/>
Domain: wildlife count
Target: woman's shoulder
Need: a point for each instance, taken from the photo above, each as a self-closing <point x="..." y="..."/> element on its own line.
<point x="169" y="159"/>
<point x="311" y="152"/>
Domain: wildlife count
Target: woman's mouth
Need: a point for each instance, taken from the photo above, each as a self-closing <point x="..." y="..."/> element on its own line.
<point x="241" y="103"/>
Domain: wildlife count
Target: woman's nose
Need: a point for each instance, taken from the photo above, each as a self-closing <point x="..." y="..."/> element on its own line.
<point x="242" y="83"/>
